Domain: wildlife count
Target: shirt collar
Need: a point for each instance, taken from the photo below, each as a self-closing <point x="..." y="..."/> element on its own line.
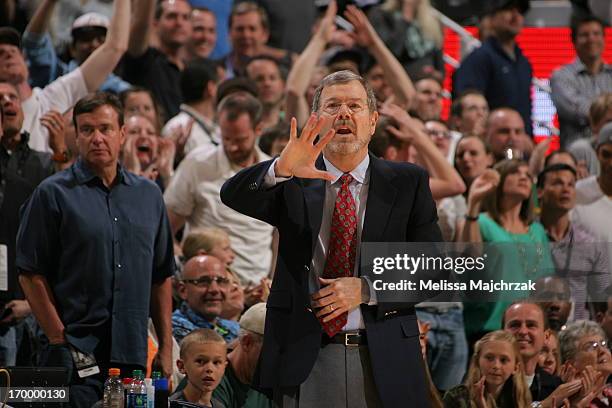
<point x="580" y="68"/>
<point x="566" y="238"/>
<point x="194" y="113"/>
<point x="21" y="146"/>
<point x="358" y="173"/>
<point x="194" y="317"/>
<point x="84" y="174"/>
<point x="518" y="54"/>
<point x="225" y="166"/>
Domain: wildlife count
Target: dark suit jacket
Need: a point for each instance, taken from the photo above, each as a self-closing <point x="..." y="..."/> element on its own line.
<point x="399" y="208"/>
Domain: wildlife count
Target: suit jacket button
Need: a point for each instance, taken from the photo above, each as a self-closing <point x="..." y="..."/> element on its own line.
<point x="253" y="186"/>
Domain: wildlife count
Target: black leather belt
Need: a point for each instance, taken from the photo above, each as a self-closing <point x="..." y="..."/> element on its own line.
<point x="349" y="339"/>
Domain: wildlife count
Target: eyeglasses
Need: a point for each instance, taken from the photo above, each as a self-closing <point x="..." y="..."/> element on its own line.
<point x="594" y="345"/>
<point x="206" y="281"/>
<point x="333" y="108"/>
<point x="438" y="133"/>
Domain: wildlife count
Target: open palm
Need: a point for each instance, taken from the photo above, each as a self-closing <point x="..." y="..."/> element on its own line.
<point x="299" y="156"/>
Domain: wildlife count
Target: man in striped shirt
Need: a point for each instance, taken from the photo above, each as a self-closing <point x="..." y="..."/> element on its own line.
<point x="575" y="86"/>
<point x="578" y="256"/>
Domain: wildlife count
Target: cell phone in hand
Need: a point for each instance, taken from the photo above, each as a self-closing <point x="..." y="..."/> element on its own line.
<point x="344" y="24"/>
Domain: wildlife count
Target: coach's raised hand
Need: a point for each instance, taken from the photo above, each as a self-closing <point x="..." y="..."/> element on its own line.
<point x="299" y="156"/>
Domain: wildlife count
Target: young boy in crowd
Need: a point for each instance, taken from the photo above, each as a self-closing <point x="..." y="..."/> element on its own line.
<point x="203" y="358"/>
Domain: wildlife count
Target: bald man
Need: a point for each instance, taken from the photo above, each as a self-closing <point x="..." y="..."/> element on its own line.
<point x="203" y="288"/>
<point x="527" y="322"/>
<point x="505" y="132"/>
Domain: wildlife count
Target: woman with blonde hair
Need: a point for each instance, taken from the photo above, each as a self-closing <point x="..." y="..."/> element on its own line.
<point x="495" y="377"/>
<point x="209" y="241"/>
<point x="412" y="32"/>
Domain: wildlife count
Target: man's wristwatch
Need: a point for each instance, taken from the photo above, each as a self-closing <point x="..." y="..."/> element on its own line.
<point x="61" y="157"/>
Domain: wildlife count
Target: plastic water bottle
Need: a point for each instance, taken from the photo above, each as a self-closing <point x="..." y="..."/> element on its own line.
<point x="127" y="382"/>
<point x="150" y="393"/>
<point x="137" y="394"/>
<point x="161" y="393"/>
<point x="113" y="390"/>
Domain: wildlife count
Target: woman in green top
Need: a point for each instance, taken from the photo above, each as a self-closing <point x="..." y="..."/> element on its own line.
<point x="504" y="193"/>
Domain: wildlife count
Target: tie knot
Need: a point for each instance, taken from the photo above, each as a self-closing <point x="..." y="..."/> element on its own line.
<point x="346" y="179"/>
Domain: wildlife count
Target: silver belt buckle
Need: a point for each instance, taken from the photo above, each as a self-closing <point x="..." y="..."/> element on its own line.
<point x="347" y="336"/>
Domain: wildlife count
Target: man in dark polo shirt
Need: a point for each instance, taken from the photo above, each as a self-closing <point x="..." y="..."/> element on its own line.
<point x="498" y="68"/>
<point x="94" y="253"/>
<point x="159" y="68"/>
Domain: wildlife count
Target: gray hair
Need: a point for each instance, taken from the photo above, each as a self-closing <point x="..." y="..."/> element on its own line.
<point x="569" y="338"/>
<point x="342" y="77"/>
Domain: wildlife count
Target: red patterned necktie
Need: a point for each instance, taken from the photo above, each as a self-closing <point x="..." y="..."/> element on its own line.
<point x="342" y="246"/>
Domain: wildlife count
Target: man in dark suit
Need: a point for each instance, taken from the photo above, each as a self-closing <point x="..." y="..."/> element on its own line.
<point x="327" y="341"/>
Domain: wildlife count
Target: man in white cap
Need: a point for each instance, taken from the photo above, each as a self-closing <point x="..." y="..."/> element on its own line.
<point x="61" y="94"/>
<point x="88" y="33"/>
<point x="234" y="390"/>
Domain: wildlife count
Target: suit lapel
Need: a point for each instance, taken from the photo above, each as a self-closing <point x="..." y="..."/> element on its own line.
<point x="314" y="195"/>
<point x="381" y="198"/>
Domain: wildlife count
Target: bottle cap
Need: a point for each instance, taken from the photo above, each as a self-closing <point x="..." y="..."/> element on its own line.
<point x="156" y="375"/>
<point x="137" y="374"/>
<point x="148" y="382"/>
<point x="114" y="372"/>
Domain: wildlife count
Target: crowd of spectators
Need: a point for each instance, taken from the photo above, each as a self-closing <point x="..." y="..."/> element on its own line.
<point x="201" y="90"/>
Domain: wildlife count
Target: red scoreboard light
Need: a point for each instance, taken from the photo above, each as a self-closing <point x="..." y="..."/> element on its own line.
<point x="546" y="49"/>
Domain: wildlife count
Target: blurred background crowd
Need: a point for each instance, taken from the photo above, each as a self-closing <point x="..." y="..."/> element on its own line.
<point x="208" y="87"/>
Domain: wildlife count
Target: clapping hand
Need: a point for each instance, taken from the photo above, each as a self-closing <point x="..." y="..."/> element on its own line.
<point x="179" y="135"/>
<point x="130" y="155"/>
<point x="592" y="384"/>
<point x="568" y="372"/>
<point x="165" y="159"/>
<point x="257" y="294"/>
<point x="479" y="390"/>
<point x="561" y="393"/>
